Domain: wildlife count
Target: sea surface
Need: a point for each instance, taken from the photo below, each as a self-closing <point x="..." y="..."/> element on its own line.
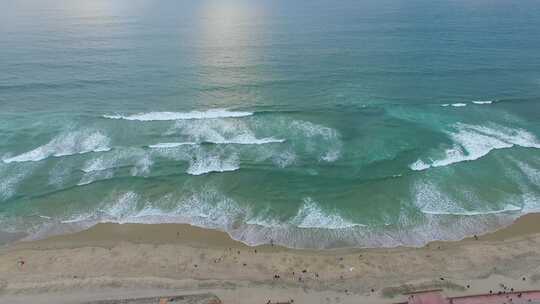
<point x="305" y="123"/>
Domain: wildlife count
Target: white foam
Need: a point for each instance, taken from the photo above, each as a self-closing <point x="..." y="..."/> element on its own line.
<point x="78" y="142"/>
<point x="331" y="156"/>
<point x="530" y="194"/>
<point x="507" y="208"/>
<point x="60" y="174"/>
<point x="93" y="176"/>
<point x="313" y="130"/>
<point x="431" y="200"/>
<point x="119" y="157"/>
<point x="265" y="222"/>
<point x="124" y="206"/>
<point x="142" y="166"/>
<point x="9" y="184"/>
<point x="158" y="116"/>
<point x="210" y="208"/>
<point x="319" y="137"/>
<point x="459" y="104"/>
<point x="310" y="215"/>
<point x="98" y="164"/>
<point x="206" y="163"/>
<point x="532" y="174"/>
<point x="445" y="105"/>
<point x="321" y="229"/>
<point x="482" y="102"/>
<point x="222" y="132"/>
<point x="117" y="209"/>
<point x="77" y="218"/>
<point x="284" y="159"/>
<point x="247" y="140"/>
<point x="419" y="165"/>
<point x="206" y="208"/>
<point x="472" y="142"/>
<point x="103" y="166"/>
<point x="168" y="145"/>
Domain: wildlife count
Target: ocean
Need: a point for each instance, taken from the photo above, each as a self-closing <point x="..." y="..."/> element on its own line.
<point x="310" y="124"/>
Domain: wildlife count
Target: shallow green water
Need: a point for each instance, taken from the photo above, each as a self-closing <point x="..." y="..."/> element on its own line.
<point x="311" y="124"/>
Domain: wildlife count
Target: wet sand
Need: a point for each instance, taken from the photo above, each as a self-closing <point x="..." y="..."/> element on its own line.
<point x="126" y="260"/>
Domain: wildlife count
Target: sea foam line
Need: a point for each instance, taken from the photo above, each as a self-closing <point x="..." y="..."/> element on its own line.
<point x="160" y="116"/>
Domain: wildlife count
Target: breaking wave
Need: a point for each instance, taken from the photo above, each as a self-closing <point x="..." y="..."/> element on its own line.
<point x="10" y="182"/>
<point x="78" y="142"/>
<point x="310" y="215"/>
<point x="326" y="141"/>
<point x="507" y="208"/>
<point x="429" y="199"/>
<point x="103" y="166"/>
<point x="456" y="105"/>
<point x="248" y="140"/>
<point x="461" y="104"/>
<point x="234" y="141"/>
<point x="204" y="163"/>
<point x="171" y="145"/>
<point x="158" y="116"/>
<point x="311" y="227"/>
<point x="472" y="142"/>
<point x="482" y="102"/>
<point x="207" y="208"/>
<point x="221" y="132"/>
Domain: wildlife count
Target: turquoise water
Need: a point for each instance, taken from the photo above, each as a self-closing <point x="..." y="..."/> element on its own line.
<point x="311" y="124"/>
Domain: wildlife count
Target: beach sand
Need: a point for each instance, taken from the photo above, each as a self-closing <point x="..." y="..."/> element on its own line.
<point x="111" y="261"/>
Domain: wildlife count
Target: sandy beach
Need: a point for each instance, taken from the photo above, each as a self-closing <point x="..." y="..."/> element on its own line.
<point x="111" y="261"/>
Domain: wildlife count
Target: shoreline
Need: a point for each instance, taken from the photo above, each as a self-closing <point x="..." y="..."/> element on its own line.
<point x="105" y="232"/>
<point x="123" y="259"/>
<point x="303" y="239"/>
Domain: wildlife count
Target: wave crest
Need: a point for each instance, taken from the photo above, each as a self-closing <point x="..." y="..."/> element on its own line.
<point x="169" y="145"/>
<point x="482" y="102"/>
<point x="78" y="142"/>
<point x="310" y="215"/>
<point x="204" y="163"/>
<point x="319" y="138"/>
<point x="160" y="116"/>
<point x="472" y="142"/>
<point x="430" y="199"/>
